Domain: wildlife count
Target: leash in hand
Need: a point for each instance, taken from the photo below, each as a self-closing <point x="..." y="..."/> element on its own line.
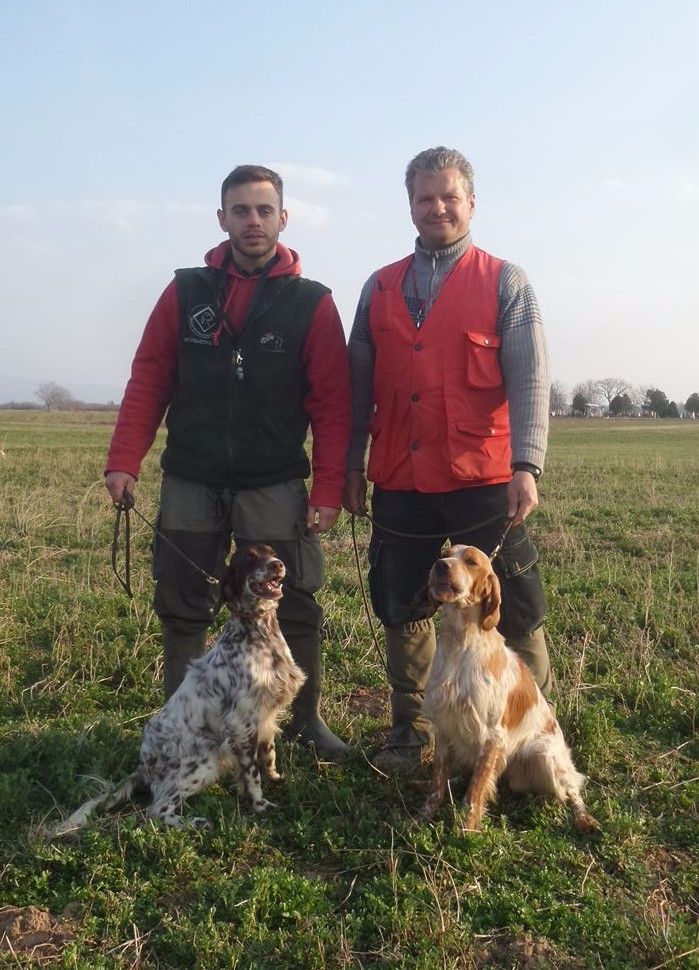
<point x="124" y="508"/>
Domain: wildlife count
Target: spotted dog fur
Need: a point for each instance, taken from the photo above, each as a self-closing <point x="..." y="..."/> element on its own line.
<point x="224" y="715"/>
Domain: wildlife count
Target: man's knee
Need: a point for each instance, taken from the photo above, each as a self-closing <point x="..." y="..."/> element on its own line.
<point x="524" y="604"/>
<point x="182" y="592"/>
<point x="299" y="613"/>
<point x="398" y="583"/>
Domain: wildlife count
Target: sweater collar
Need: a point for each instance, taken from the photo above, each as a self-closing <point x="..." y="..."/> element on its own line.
<point x="449" y="254"/>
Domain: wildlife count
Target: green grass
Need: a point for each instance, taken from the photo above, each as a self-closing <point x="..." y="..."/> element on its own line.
<point x="342" y="874"/>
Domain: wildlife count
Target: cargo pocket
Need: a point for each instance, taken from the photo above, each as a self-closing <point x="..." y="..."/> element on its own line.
<point x="309" y="560"/>
<point x="523" y="600"/>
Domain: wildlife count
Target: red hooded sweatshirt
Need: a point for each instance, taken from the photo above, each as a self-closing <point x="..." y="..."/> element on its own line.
<point x="150" y="387"/>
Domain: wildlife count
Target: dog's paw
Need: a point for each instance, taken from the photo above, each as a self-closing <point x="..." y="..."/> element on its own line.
<point x="262" y="805"/>
<point x="197" y="822"/>
<point x="586" y="823"/>
<point x="472" y="823"/>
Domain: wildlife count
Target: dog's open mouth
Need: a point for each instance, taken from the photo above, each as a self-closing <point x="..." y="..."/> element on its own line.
<point x="270" y="589"/>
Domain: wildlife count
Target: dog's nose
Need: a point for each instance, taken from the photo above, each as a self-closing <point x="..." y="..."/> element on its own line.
<point x="441" y="567"/>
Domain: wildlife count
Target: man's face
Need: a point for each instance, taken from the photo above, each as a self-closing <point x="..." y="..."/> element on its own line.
<point x="441" y="207"/>
<point x="253" y="219"/>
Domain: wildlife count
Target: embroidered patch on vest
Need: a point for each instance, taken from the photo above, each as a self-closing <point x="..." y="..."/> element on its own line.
<point x="272" y="343"/>
<point x="202" y="322"/>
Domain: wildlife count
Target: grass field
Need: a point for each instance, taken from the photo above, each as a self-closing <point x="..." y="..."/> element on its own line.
<point x="342" y="874"/>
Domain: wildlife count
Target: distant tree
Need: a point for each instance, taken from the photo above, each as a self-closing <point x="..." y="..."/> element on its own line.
<point x="579" y="406"/>
<point x="656" y="403"/>
<point x="673" y="410"/>
<point x="611" y="387"/>
<point x="620" y="405"/>
<point x="638" y="395"/>
<point x="589" y="391"/>
<point x="55" y="397"/>
<point x="692" y="404"/>
<point x="558" y="398"/>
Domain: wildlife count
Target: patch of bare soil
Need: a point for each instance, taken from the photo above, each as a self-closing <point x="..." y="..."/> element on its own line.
<point x="369" y="700"/>
<point x="29" y="931"/>
<point x="525" y="952"/>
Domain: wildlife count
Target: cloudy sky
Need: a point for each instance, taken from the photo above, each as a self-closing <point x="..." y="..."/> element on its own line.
<point x="120" y="122"/>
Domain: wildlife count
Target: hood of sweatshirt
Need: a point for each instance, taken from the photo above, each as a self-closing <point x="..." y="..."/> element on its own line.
<point x="288" y="262"/>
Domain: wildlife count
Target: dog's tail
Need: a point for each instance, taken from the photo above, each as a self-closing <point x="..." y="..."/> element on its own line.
<point x="105" y="803"/>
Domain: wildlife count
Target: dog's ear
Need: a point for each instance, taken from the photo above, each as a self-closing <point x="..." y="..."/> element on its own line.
<point x="490" y="612"/>
<point x="231" y="583"/>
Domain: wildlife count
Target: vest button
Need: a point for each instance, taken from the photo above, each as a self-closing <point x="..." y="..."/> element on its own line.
<point x="486" y="341"/>
<point x="414" y="445"/>
<point x="417" y="346"/>
<point x="415" y="397"/>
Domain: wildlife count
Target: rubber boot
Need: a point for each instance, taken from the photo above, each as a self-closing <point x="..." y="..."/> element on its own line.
<point x="182" y="643"/>
<point x="300" y="619"/>
<point x="532" y="649"/>
<point x="409" y="652"/>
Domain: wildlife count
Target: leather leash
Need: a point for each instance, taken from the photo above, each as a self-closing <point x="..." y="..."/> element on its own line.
<point x="125" y="507"/>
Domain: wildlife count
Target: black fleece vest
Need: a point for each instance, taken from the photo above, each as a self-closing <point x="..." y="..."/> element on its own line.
<point x="237" y="416"/>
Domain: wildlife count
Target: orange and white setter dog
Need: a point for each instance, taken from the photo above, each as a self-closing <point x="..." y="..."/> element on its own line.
<point x="489" y="716"/>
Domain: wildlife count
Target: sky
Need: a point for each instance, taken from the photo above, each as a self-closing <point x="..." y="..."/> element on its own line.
<point x="120" y="121"/>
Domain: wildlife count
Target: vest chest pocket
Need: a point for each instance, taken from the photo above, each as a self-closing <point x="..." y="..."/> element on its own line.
<point x="482" y="360"/>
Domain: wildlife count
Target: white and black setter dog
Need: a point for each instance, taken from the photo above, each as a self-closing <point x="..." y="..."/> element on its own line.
<point x="224" y="715"/>
<point x="489" y="716"/>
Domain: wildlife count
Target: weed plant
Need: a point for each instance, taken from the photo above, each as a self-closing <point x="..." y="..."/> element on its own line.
<point x="342" y="874"/>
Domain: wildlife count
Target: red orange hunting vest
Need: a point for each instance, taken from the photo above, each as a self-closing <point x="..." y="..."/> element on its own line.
<point x="441" y="418"/>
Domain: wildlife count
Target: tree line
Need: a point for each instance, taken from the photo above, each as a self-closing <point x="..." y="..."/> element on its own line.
<point x="611" y="396"/>
<point x="615" y="397"/>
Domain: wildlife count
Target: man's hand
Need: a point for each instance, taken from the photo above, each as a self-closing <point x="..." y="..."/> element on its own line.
<point x="117" y="483"/>
<point x="522" y="496"/>
<point x="320" y="518"/>
<point x="354" y="496"/>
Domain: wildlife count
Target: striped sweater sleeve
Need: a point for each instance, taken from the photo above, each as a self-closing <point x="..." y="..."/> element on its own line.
<point x="361" y="355"/>
<point x="524" y="363"/>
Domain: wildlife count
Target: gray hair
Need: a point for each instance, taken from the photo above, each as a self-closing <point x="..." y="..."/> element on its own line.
<point x="436" y="160"/>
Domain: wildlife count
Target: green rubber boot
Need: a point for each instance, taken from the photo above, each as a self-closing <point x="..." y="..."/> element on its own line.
<point x="182" y="643"/>
<point x="532" y="649"/>
<point x="409" y="652"/>
<point x="306" y="725"/>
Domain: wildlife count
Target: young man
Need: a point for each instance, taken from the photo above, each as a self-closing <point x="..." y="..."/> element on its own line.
<point x="450" y="379"/>
<point x="242" y="354"/>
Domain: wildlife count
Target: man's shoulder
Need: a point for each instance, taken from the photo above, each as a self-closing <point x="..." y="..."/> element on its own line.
<point x="187" y="273"/>
<point x="310" y="286"/>
<point x="391" y="272"/>
<point x="392" y="268"/>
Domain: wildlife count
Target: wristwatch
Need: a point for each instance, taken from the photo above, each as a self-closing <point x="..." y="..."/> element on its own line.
<point x="526" y="466"/>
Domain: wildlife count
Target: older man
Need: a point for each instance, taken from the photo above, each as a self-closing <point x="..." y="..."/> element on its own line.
<point x="450" y="380"/>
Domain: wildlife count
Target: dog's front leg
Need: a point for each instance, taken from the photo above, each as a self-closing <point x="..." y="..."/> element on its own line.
<point x="438" y="782"/>
<point x="246" y="753"/>
<point x="267" y="757"/>
<point x="481" y="789"/>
